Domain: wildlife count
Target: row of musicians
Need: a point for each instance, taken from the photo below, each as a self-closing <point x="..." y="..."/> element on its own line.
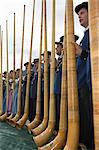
<point x="12" y="105"/>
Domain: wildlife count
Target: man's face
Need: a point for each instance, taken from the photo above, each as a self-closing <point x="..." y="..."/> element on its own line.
<point x="36" y="65"/>
<point x="11" y="75"/>
<point x="58" y="49"/>
<point x="83" y="17"/>
<point x="17" y="73"/>
<point x="26" y="66"/>
<point x="49" y="59"/>
<point x="5" y="75"/>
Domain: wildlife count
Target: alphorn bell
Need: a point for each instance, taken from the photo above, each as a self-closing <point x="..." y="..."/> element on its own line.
<point x="18" y="115"/>
<point x="1" y="82"/>
<point x="94" y="45"/>
<point x="73" y="112"/>
<point x="3" y="117"/>
<point x="11" y="116"/>
<point x="42" y="138"/>
<point x="59" y="141"/>
<point x="37" y="119"/>
<point x="44" y="123"/>
<point x="22" y="121"/>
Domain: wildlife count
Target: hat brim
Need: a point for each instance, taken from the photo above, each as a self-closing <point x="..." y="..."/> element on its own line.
<point x="26" y="64"/>
<point x="58" y="43"/>
<point x="35" y="61"/>
<point x="80" y="6"/>
<point x="49" y="53"/>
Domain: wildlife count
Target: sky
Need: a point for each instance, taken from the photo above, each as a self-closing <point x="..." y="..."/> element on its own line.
<point x="7" y="10"/>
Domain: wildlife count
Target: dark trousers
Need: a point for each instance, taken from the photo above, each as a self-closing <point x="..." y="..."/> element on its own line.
<point x="32" y="109"/>
<point x="22" y="104"/>
<point x="86" y="117"/>
<point x="23" y="96"/>
<point x="57" y="105"/>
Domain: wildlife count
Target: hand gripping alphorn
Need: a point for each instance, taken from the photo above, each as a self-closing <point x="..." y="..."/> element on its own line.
<point x="22" y="121"/>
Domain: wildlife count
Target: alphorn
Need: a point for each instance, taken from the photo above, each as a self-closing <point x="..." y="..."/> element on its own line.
<point x="94" y="45"/>
<point x="42" y="138"/>
<point x="18" y="115"/>
<point x="44" y="123"/>
<point x="3" y="117"/>
<point x="37" y="119"/>
<point x="11" y="116"/>
<point x="59" y="141"/>
<point x="1" y="82"/>
<point x="73" y="111"/>
<point x="22" y="121"/>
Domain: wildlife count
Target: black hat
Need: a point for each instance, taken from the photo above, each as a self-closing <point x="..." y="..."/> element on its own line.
<point x="18" y="69"/>
<point x="80" y="6"/>
<point x="11" y="71"/>
<point x="26" y="63"/>
<point x="76" y="38"/>
<point x="36" y="60"/>
<point x="5" y="72"/>
<point x="48" y="52"/>
<point x="61" y="40"/>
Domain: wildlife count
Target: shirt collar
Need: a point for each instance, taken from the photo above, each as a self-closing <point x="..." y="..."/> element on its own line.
<point x="86" y="28"/>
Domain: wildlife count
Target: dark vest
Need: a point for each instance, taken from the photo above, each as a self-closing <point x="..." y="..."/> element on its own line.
<point x="58" y="77"/>
<point x="83" y="64"/>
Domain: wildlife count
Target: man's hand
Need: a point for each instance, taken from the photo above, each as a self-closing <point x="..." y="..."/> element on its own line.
<point x="77" y="48"/>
